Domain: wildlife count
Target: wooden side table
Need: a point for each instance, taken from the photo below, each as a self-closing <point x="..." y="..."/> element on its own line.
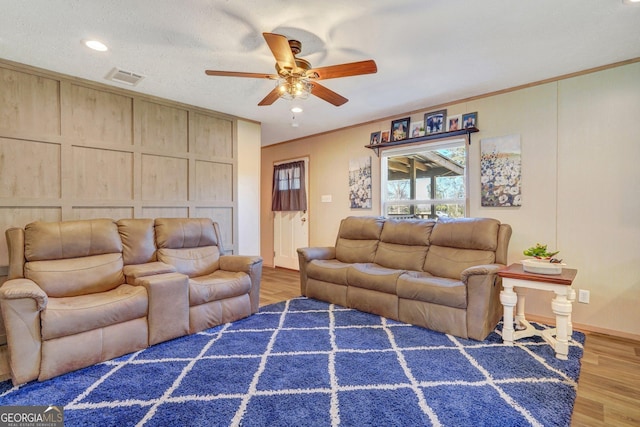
<point x="514" y="277"/>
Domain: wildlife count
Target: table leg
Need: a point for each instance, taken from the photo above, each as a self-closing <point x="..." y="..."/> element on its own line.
<point x="520" y="319"/>
<point x="508" y="298"/>
<point x="571" y="297"/>
<point x="561" y="306"/>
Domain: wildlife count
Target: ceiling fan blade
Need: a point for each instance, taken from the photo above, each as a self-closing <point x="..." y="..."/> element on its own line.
<point x="240" y="74"/>
<point x="327" y="94"/>
<point x="344" y="70"/>
<point x="281" y="50"/>
<point x="270" y="98"/>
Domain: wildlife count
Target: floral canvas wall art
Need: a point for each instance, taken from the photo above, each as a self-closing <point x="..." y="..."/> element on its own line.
<point x="500" y="171"/>
<point x="360" y="183"/>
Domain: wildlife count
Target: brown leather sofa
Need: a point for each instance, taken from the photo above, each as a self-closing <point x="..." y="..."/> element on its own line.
<point x="82" y="292"/>
<point x="438" y="275"/>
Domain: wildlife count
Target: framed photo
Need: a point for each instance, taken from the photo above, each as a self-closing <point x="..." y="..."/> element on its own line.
<point x="435" y="121"/>
<point x="384" y="136"/>
<point x="417" y="129"/>
<point x="470" y="120"/>
<point x="400" y="129"/>
<point x="375" y="138"/>
<point x="454" y="123"/>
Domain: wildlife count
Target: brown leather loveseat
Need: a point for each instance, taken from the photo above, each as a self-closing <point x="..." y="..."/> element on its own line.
<point x="82" y="292"/>
<point x="438" y="275"/>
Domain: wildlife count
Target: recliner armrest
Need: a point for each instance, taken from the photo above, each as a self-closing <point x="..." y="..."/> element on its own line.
<point x="136" y="271"/>
<point x="24" y="288"/>
<point x="479" y="270"/>
<point x="309" y="254"/>
<point x="251" y="265"/>
<point x="238" y="262"/>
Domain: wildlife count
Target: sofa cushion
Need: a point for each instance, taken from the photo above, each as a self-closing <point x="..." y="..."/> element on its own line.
<point x="373" y="277"/>
<point x="329" y="270"/>
<point x="77" y="276"/>
<point x="450" y="262"/>
<point x="358" y="239"/>
<point x="70" y="239"/>
<point x="467" y="233"/>
<point x="72" y="315"/>
<point x="217" y="286"/>
<point x="178" y="233"/>
<point x="192" y="261"/>
<point x="401" y="257"/>
<point x="138" y="244"/>
<point x="410" y="233"/>
<point x="428" y="288"/>
<point x="353" y="251"/>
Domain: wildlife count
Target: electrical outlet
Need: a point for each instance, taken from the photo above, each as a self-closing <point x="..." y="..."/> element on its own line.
<point x="583" y="296"/>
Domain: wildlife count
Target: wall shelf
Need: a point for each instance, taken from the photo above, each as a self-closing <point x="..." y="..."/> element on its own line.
<point x="442" y="135"/>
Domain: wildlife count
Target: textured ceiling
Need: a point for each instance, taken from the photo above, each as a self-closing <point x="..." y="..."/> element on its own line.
<point x="428" y="52"/>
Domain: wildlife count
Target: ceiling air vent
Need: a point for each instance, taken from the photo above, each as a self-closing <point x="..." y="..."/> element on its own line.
<point x="125" y="77"/>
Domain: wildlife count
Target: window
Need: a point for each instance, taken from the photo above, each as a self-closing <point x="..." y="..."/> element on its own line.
<point x="425" y="181"/>
<point x="288" y="192"/>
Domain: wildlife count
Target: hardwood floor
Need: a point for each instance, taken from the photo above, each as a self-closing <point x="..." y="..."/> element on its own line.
<point x="609" y="384"/>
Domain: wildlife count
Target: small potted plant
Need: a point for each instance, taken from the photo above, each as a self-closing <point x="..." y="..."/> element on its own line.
<point x="543" y="262"/>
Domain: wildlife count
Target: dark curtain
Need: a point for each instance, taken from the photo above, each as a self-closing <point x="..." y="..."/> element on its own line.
<point x="289" y="187"/>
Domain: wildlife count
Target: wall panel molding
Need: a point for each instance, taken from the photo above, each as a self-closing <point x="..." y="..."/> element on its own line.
<point x="75" y="149"/>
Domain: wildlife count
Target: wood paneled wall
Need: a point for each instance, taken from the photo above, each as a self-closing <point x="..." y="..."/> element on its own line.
<point x="73" y="149"/>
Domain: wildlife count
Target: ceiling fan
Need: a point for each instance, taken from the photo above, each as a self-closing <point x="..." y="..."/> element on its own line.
<point x="295" y="77"/>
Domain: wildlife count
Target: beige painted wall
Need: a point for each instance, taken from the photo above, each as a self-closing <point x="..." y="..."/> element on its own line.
<point x="579" y="189"/>
<point x="249" y="142"/>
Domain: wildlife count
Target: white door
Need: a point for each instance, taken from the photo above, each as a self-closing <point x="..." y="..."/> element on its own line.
<point x="290" y="232"/>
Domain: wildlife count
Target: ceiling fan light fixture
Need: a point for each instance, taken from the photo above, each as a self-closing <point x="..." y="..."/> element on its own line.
<point x="293" y="88"/>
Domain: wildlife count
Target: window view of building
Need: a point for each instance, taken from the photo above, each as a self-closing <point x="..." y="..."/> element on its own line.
<point x="426" y="181"/>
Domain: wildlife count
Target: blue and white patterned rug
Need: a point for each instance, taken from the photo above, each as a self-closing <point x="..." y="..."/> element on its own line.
<point x="306" y="362"/>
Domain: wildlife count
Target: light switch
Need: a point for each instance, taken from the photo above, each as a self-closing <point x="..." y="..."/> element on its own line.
<point x="326" y="198"/>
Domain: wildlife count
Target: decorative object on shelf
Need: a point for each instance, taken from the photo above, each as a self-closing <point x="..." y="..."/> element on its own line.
<point x="470" y="120"/>
<point x="375" y="138"/>
<point x="543" y="261"/>
<point x="384" y="139"/>
<point x="454" y="122"/>
<point x="417" y="129"/>
<point x="436" y="121"/>
<point x="360" y="183"/>
<point x="400" y="129"/>
<point x="384" y="136"/>
<point x="500" y="171"/>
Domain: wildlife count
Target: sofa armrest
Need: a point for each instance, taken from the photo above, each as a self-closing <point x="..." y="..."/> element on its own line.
<point x="21" y="301"/>
<point x="306" y="255"/>
<point x="16" y="289"/>
<point x="252" y="265"/>
<point x="309" y="254"/>
<point x="136" y="271"/>
<point x="479" y="270"/>
<point x="483" y="299"/>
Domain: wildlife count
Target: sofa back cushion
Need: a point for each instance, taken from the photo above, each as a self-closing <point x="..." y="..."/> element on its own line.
<point x="71" y="258"/>
<point x="138" y="240"/>
<point x="461" y="243"/>
<point x="77" y="276"/>
<point x="404" y="244"/>
<point x="467" y="233"/>
<point x="358" y="239"/>
<point x="178" y="233"/>
<point x="191" y="245"/>
<point x="70" y="239"/>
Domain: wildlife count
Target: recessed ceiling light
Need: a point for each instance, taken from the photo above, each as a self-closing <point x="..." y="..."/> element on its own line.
<point x="634" y="2"/>
<point x="96" y="45"/>
<point x="296" y="110"/>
